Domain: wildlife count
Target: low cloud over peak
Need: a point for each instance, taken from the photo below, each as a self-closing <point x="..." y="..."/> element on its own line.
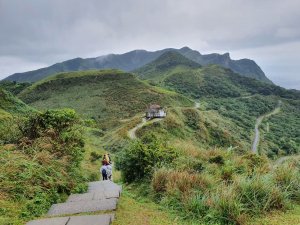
<point x="35" y="33"/>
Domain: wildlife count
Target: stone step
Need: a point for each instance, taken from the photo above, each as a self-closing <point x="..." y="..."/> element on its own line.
<point x="82" y="206"/>
<point x="104" y="219"/>
<point x="105" y="185"/>
<point x="96" y="195"/>
<point x="91" y="220"/>
<point x="50" y="221"/>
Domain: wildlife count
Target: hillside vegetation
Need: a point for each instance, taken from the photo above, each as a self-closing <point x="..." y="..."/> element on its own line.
<point x="237" y="99"/>
<point x="168" y="63"/>
<point x="209" y="186"/>
<point x="103" y="96"/>
<point x="40" y="157"/>
<point x="196" y="162"/>
<point x="13" y="87"/>
<point x="11" y="104"/>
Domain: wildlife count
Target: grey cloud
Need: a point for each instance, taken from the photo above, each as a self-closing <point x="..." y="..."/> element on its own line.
<point x="45" y="32"/>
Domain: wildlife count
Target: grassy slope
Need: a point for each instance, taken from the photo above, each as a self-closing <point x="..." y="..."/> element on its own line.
<point x="106" y="96"/>
<point x="165" y="65"/>
<point x="178" y="124"/>
<point x="191" y="127"/>
<point x="215" y="81"/>
<point x="39" y="170"/>
<point x="13" y="87"/>
<point x="280" y="218"/>
<point x="235" y="98"/>
<point x="281" y="132"/>
<point x="12" y="105"/>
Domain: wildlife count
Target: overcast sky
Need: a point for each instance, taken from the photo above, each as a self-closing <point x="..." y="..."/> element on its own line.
<point x="38" y="33"/>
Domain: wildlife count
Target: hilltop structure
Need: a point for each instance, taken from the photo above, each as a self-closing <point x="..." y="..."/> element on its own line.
<point x="155" y="111"/>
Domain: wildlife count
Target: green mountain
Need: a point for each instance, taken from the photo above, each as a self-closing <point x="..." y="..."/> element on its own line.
<point x="135" y="59"/>
<point x="170" y="61"/>
<point x="244" y="67"/>
<point x="238" y="100"/>
<point x="200" y="152"/>
<point x="174" y="71"/>
<point x="105" y="96"/>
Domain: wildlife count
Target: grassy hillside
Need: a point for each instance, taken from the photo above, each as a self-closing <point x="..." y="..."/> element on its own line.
<point x="210" y="185"/>
<point x="281" y="132"/>
<point x="195" y="162"/>
<point x="104" y="96"/>
<point x="197" y="129"/>
<point x="239" y="100"/>
<point x="13" y="87"/>
<point x="168" y="63"/>
<point x="11" y="104"/>
<point x="40" y="163"/>
<point x="215" y="81"/>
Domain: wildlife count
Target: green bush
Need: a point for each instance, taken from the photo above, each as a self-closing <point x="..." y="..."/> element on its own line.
<point x="58" y="120"/>
<point x="141" y="157"/>
<point x="95" y="156"/>
<point x="42" y="164"/>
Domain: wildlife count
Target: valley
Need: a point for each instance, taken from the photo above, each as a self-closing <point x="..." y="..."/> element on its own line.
<point x="198" y="165"/>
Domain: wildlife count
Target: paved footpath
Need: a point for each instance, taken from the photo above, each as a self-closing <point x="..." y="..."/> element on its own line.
<point x="101" y="196"/>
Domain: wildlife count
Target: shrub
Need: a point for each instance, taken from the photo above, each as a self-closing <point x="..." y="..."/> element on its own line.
<point x="287" y="177"/>
<point x="95" y="156"/>
<point x="260" y="194"/>
<point x="198" y="206"/>
<point x="192" y="118"/>
<point x="173" y="181"/>
<point x="141" y="157"/>
<point x="217" y="159"/>
<point x="159" y="181"/>
<point x="44" y="164"/>
<point x="58" y="120"/>
<point x="226" y="207"/>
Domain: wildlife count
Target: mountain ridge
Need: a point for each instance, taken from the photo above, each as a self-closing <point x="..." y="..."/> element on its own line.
<point x="106" y="96"/>
<point x="135" y="59"/>
<point x="168" y="60"/>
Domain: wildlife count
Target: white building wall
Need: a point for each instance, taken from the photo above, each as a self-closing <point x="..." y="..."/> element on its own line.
<point x="162" y="113"/>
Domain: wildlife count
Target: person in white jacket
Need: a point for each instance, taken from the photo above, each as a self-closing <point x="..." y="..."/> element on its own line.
<point x="109" y="171"/>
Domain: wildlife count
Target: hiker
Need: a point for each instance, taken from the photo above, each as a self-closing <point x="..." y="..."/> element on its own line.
<point x="104" y="170"/>
<point x="106" y="157"/>
<point x="109" y="171"/>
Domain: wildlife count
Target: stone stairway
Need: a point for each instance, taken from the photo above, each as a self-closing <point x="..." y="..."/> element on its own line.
<point x="101" y="196"/>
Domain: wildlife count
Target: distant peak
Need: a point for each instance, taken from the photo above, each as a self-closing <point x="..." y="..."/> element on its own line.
<point x="185" y="48"/>
<point x="227" y="55"/>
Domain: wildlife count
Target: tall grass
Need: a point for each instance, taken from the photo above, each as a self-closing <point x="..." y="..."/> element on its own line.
<point x="229" y="189"/>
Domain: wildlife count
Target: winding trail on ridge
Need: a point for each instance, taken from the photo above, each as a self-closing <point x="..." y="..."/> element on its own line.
<point x="257" y="124"/>
<point x="132" y="132"/>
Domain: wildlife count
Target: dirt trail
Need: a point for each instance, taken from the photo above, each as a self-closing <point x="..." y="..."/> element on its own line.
<point x="257" y="124"/>
<point x="286" y="158"/>
<point x="132" y="132"/>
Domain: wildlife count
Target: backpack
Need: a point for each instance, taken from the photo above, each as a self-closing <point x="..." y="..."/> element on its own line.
<point x="106" y="158"/>
<point x="104" y="172"/>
